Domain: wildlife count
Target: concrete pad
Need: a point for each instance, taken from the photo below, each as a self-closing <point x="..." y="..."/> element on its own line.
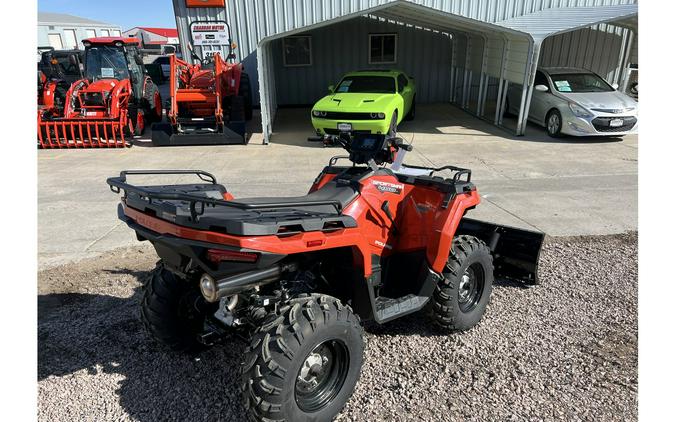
<point x="568" y="186"/>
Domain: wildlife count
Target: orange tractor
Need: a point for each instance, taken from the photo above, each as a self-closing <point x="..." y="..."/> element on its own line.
<point x="114" y="101"/>
<point x="210" y="103"/>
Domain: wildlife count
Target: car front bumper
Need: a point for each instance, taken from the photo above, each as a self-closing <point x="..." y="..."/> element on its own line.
<point x="598" y="124"/>
<point x="329" y="126"/>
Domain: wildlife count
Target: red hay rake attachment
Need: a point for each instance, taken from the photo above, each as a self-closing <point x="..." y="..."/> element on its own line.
<point x="82" y="133"/>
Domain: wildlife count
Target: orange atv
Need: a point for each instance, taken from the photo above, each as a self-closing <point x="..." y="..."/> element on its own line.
<point x="300" y="274"/>
<point x="115" y="100"/>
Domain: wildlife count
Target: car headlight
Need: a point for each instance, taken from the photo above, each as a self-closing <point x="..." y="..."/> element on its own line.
<point x="377" y="115"/>
<point x="579" y="111"/>
<point x="317" y="113"/>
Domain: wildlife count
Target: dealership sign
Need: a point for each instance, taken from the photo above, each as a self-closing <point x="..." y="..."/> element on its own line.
<point x="210" y="33"/>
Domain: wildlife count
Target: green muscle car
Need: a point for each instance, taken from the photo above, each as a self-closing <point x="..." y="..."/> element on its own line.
<point x="372" y="101"/>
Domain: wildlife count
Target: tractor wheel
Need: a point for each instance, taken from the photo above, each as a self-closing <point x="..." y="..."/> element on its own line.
<point x="411" y="114"/>
<point x="393" y="125"/>
<point x="460" y="299"/>
<point x="139" y="123"/>
<point x="246" y="92"/>
<point x="153" y="100"/>
<point x="173" y="311"/>
<point x="237" y="109"/>
<point x="303" y="362"/>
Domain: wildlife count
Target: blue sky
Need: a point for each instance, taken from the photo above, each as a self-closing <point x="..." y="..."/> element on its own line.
<point x="125" y="13"/>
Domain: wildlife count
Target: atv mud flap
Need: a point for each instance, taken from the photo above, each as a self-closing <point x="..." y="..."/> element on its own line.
<point x="515" y="251"/>
<point x="81" y="133"/>
<point x="234" y="133"/>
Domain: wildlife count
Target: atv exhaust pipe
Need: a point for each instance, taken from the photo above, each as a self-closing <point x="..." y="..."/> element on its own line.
<point x="214" y="290"/>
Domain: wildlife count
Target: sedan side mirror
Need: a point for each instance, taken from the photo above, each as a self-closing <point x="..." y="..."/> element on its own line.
<point x="615" y="86"/>
<point x="541" y="88"/>
<point x="331" y="88"/>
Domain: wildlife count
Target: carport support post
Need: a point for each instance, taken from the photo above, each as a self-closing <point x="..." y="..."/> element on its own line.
<point x="466" y="86"/>
<point x="528" y="86"/>
<point x="482" y="90"/>
<point x="264" y="100"/>
<point x="503" y="84"/>
<point x="453" y="70"/>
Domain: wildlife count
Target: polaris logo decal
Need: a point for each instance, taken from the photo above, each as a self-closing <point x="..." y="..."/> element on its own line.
<point x="382" y="245"/>
<point x="388" y="187"/>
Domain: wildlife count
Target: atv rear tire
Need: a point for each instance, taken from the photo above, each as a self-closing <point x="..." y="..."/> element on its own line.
<point x="303" y="362"/>
<point x="460" y="299"/>
<point x="172" y="310"/>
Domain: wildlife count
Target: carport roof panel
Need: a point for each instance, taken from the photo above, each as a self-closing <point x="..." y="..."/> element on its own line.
<point x="547" y="22"/>
<point x="431" y="18"/>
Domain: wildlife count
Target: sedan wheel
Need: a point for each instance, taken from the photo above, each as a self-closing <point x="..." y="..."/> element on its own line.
<point x="554" y="123"/>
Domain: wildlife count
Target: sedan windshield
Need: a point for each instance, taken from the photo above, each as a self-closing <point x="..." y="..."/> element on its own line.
<point x="371" y="84"/>
<point x="580" y="82"/>
<point x="106" y="62"/>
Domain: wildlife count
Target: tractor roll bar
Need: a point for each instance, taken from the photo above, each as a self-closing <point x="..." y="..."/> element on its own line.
<point x="118" y="184"/>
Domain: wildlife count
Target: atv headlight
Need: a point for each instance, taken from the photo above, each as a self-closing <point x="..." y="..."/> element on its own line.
<point x="579" y="111"/>
<point x="317" y="113"/>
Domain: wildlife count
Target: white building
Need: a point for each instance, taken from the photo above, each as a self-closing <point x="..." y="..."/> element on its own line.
<point x="65" y="32"/>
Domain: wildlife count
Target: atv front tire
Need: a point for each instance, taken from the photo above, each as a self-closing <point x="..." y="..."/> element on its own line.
<point x="460" y="299"/>
<point x="172" y="310"/>
<point x="303" y="362"/>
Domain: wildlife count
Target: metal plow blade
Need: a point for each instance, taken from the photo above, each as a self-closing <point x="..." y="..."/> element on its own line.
<point x="81" y="134"/>
<point x="515" y="251"/>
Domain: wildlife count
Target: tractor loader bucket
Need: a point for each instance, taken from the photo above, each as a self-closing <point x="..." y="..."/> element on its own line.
<point x="515" y="251"/>
<point x="232" y="133"/>
<point x="81" y="133"/>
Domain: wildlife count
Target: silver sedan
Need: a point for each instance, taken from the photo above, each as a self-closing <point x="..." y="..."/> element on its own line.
<point x="577" y="102"/>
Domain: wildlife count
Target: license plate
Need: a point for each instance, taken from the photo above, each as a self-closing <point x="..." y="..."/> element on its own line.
<point x="344" y="127"/>
<point x="616" y="123"/>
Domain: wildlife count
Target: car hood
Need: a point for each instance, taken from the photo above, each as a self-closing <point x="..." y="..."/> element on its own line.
<point x="613" y="100"/>
<point x="355" y="101"/>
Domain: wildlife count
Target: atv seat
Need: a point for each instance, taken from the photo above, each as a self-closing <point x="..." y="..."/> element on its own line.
<point x="274" y="220"/>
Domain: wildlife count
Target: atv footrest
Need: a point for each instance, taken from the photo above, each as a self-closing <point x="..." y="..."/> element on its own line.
<point x="389" y="308"/>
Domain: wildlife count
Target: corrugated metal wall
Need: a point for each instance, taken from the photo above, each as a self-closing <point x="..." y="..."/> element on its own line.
<point x="252" y="20"/>
<point x="597" y="49"/>
<point x="343" y="47"/>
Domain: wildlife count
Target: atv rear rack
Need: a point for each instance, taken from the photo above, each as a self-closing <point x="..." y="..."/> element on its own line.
<point x="118" y="184"/>
<point x="455" y="178"/>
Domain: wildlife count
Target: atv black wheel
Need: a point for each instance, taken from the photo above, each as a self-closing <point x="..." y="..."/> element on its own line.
<point x="411" y="114"/>
<point x="460" y="299"/>
<point x="393" y="125"/>
<point x="246" y="92"/>
<point x="173" y="311"/>
<point x="304" y="361"/>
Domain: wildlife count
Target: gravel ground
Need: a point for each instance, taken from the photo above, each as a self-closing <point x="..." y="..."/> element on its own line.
<point x="564" y="350"/>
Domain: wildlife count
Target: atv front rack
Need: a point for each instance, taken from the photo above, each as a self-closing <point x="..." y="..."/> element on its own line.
<point x="197" y="202"/>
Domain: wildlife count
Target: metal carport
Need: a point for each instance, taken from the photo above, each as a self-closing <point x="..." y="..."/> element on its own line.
<point x="506" y="51"/>
<point x="549" y="22"/>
